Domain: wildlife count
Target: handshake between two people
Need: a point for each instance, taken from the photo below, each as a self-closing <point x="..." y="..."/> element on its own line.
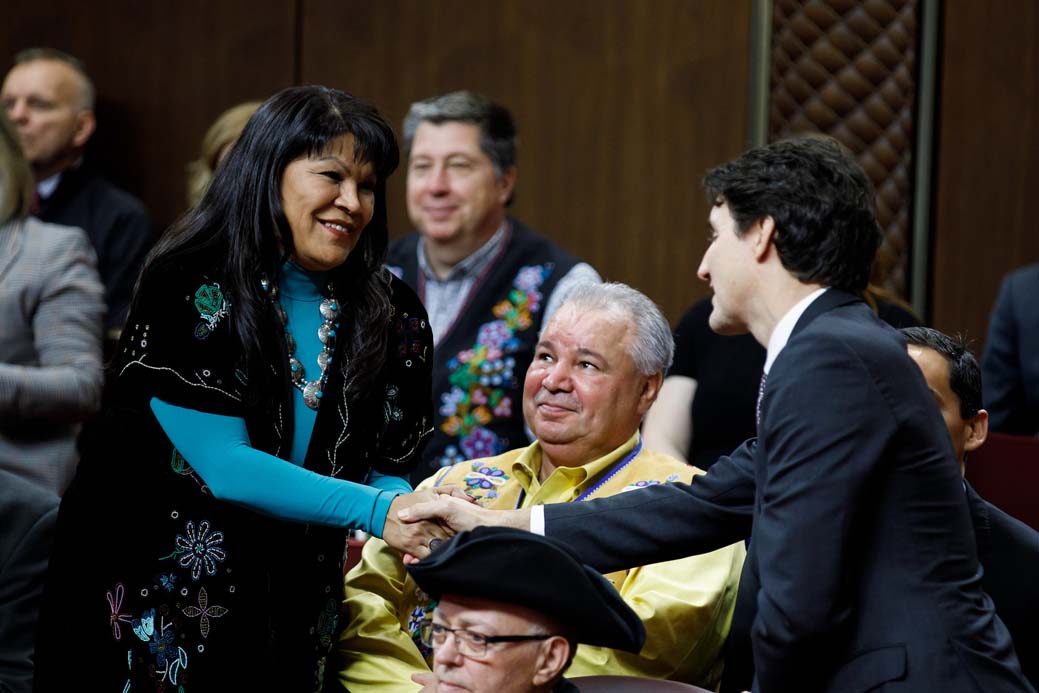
<point x="419" y="522"/>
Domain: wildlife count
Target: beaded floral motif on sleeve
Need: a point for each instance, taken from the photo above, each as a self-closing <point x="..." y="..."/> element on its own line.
<point x="649" y="482"/>
<point x="481" y="375"/>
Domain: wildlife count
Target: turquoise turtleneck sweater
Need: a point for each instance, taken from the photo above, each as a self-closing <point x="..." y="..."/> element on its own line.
<point x="235" y="471"/>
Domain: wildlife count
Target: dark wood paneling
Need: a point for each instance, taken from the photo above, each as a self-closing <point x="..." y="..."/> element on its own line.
<point x="987" y="166"/>
<point x="164" y="71"/>
<point x="621" y="106"/>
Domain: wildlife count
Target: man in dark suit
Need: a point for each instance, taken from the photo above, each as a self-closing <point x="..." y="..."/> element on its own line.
<point x="862" y="572"/>
<point x="28" y="514"/>
<point x="50" y="99"/>
<point x="1011" y="359"/>
<point x="1007" y="548"/>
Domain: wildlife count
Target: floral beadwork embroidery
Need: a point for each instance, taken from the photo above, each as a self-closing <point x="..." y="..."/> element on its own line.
<point x="203" y="612"/>
<point x="198" y="550"/>
<point x="211" y="306"/>
<point x="327" y="621"/>
<point x="115" y="605"/>
<point x="420" y="615"/>
<point x="483" y="481"/>
<point x="161" y="645"/>
<point x="390" y="410"/>
<point x="649" y="482"/>
<point x="481" y="375"/>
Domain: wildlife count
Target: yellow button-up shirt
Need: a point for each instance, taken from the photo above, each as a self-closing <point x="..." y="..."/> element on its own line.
<point x="686" y="605"/>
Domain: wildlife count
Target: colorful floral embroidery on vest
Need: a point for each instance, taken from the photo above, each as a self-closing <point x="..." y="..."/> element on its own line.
<point x="482" y="481"/>
<point x="203" y="612"/>
<point x="198" y="550"/>
<point x="421" y="615"/>
<point x="327" y="621"/>
<point x="180" y="466"/>
<point x="649" y="482"/>
<point x="115" y="604"/>
<point x="390" y="410"/>
<point x="480" y="375"/>
<point x="211" y="306"/>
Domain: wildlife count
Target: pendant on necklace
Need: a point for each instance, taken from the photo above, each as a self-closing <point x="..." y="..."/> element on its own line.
<point x="312" y="394"/>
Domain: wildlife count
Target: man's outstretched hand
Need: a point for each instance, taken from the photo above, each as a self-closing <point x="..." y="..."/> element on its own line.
<point x="414" y="537"/>
<point x="451" y="512"/>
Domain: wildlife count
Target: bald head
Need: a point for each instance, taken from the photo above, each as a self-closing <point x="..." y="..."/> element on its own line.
<point x="50" y="101"/>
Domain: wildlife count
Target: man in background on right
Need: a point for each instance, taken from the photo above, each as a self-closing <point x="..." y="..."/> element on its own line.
<point x="1007" y="548"/>
<point x="1011" y="359"/>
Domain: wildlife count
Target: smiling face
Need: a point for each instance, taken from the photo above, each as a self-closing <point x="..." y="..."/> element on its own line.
<point x="583" y="396"/>
<point x="455" y="198"/>
<point x="328" y="199"/>
<point x="725" y="266"/>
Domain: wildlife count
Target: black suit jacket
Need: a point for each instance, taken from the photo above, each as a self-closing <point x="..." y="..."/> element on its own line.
<point x="1009" y="553"/>
<point x="27" y="516"/>
<point x="862" y="548"/>
<point x="117" y="225"/>
<point x="1010" y="364"/>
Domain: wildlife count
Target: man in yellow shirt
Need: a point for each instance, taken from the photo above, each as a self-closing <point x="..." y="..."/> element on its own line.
<point x="597" y="369"/>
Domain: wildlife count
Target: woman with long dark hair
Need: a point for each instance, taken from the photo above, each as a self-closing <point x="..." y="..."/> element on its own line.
<point x="272" y="390"/>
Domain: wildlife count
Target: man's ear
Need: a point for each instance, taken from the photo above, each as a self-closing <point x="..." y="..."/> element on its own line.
<point x="506" y="182"/>
<point x="553" y="657"/>
<point x="765" y="228"/>
<point x="650" y="390"/>
<point x="86" y="123"/>
<point x="977" y="431"/>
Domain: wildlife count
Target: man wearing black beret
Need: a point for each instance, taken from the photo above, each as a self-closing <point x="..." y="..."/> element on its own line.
<point x="512" y="607"/>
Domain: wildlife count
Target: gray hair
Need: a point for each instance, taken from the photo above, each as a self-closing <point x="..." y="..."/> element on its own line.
<point x="88" y="95"/>
<point x="652" y="346"/>
<point x="497" y="129"/>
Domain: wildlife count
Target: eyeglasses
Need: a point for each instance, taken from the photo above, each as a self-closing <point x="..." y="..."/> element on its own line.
<point x="468" y="642"/>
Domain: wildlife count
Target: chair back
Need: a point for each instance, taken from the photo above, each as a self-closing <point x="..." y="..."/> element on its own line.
<point x="1005" y="472"/>
<point x="631" y="684"/>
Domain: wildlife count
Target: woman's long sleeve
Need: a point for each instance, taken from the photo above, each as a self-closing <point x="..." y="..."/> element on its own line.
<point x="236" y="472"/>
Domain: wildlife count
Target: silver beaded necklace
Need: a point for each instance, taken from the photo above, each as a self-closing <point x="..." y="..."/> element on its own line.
<point x="312" y="389"/>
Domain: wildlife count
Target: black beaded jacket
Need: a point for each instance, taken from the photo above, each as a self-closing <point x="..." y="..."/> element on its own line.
<point x="157" y="585"/>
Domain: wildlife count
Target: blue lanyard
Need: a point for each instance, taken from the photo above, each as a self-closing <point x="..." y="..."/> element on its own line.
<point x="609" y="475"/>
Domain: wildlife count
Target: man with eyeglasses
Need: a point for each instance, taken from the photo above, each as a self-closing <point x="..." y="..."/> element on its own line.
<point x="511" y="608"/>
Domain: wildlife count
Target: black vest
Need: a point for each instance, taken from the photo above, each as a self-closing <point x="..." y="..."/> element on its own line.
<point x="480" y="363"/>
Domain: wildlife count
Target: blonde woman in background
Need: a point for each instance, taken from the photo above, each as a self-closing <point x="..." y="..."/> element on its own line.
<point x="216" y="143"/>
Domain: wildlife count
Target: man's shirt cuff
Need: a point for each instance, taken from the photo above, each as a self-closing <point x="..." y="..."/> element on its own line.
<point x="537" y="520"/>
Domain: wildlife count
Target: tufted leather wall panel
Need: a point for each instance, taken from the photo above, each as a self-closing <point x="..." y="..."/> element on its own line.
<point x="848" y="68"/>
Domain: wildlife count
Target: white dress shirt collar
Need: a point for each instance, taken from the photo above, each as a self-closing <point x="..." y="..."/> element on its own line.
<point x="785" y="326"/>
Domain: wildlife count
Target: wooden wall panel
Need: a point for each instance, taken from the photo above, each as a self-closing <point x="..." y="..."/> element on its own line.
<point x="987" y="165"/>
<point x="163" y="71"/>
<point x="621" y="106"/>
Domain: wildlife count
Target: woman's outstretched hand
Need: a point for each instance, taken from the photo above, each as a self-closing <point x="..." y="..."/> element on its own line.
<point x="418" y="538"/>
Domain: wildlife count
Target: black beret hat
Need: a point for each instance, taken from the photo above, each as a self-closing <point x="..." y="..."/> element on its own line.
<point x="517" y="567"/>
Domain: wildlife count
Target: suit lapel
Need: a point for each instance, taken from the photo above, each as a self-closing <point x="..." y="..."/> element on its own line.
<point x="979" y="515"/>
